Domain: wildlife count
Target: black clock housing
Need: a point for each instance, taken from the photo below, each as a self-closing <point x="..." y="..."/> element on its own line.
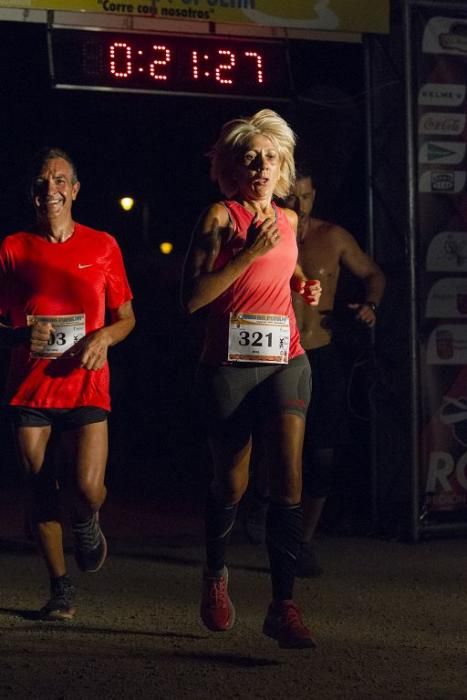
<point x="183" y="64"/>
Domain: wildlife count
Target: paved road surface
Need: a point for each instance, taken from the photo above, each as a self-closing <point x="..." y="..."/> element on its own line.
<point x="390" y="618"/>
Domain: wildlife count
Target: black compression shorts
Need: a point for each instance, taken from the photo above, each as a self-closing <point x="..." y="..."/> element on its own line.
<point x="231" y="398"/>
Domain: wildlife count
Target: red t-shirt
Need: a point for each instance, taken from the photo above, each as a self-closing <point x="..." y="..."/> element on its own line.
<point x="263" y="288"/>
<point x="85" y="274"/>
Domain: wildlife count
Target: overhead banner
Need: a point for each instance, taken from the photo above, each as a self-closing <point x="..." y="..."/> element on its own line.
<point x="440" y="43"/>
<point x="360" y="16"/>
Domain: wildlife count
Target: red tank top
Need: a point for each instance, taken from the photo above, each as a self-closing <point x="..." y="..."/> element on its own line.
<point x="263" y="288"/>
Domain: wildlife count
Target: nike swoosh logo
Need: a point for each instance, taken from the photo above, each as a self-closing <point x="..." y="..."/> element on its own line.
<point x="81" y="267"/>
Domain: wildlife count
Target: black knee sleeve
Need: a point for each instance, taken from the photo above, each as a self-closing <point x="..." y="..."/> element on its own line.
<point x="220" y="520"/>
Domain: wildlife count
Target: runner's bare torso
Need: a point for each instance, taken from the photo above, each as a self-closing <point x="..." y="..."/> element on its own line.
<point x="321" y="245"/>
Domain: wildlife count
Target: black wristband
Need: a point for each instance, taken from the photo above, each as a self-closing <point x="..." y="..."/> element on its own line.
<point x="371" y="305"/>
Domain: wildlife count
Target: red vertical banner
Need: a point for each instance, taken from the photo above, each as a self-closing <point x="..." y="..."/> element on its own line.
<point x="440" y="46"/>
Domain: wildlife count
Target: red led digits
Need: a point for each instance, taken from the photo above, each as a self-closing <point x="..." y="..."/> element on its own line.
<point x="194" y="65"/>
<point x="184" y="64"/>
<point x="225" y="67"/>
<point x="115" y="53"/>
<point x="259" y="64"/>
<point x="160" y="62"/>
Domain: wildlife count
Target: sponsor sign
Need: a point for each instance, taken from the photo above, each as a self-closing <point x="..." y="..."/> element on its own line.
<point x="445" y="440"/>
<point x="446" y="481"/>
<point x="331" y="15"/>
<point x="453" y="413"/>
<point x="446" y="152"/>
<point x="447" y="252"/>
<point x="442" y="123"/>
<point x="445" y="35"/>
<point x="442" y="181"/>
<point x="447" y="298"/>
<point x="447" y="345"/>
<point x="441" y="95"/>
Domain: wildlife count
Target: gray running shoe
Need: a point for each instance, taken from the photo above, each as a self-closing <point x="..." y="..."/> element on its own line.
<point x="90" y="544"/>
<point x="61" y="604"/>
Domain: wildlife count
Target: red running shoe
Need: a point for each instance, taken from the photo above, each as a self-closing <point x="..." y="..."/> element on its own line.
<point x="217" y="611"/>
<point x="284" y="623"/>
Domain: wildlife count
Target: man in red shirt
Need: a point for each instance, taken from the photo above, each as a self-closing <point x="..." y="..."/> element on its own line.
<point x="59" y="282"/>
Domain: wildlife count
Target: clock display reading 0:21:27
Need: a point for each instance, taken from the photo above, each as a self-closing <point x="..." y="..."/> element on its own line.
<point x="169" y="63"/>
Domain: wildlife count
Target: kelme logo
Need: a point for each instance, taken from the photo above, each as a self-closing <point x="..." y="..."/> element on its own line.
<point x="441" y="95"/>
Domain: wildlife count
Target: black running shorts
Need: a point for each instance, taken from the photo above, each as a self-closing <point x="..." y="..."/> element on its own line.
<point x="59" y="418"/>
<point x="231" y="398"/>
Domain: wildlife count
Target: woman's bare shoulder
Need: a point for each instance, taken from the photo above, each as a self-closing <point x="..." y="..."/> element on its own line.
<point x="216" y="212"/>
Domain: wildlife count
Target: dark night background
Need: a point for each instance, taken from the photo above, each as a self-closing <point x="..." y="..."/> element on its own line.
<point x="153" y="147"/>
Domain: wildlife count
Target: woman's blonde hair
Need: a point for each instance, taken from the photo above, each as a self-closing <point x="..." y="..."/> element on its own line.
<point x="233" y="139"/>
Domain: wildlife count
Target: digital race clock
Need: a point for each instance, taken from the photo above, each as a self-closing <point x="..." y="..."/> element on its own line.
<point x="182" y="64"/>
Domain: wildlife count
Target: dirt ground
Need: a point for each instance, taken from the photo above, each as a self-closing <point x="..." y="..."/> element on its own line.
<point x="390" y="619"/>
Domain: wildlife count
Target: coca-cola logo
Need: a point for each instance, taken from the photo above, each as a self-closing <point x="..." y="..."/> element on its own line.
<point x="442" y="123"/>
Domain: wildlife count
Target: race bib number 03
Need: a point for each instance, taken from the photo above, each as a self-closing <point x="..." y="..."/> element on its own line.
<point x="259" y="338"/>
<point x="67" y="331"/>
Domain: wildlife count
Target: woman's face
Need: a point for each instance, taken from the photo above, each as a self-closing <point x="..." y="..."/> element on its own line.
<point x="258" y="168"/>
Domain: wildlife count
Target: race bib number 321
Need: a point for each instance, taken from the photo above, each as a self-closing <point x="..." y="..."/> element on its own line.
<point x="259" y="338"/>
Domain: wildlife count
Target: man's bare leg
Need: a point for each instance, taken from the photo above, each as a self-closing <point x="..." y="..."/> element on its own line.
<point x="42" y="497"/>
<point x="43" y="512"/>
<point x="88" y="450"/>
